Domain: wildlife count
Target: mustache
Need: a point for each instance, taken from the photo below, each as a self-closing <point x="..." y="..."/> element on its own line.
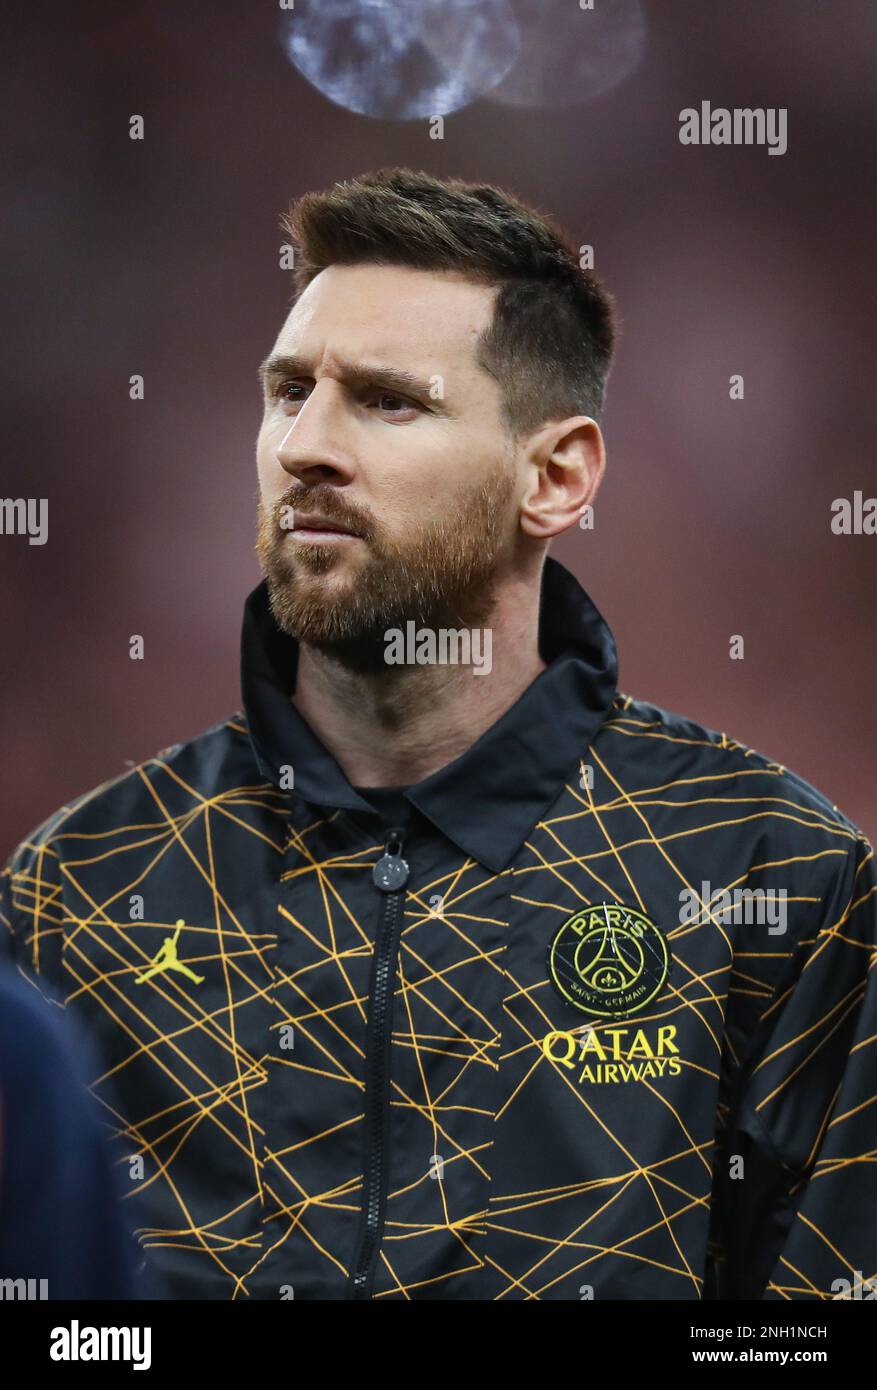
<point x="324" y="503"/>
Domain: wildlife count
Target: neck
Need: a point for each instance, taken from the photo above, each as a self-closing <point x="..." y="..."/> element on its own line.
<point x="398" y="727"/>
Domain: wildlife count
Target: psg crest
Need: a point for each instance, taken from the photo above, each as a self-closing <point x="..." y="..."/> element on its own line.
<point x="609" y="960"/>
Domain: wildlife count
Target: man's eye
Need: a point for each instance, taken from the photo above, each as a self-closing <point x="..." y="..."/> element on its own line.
<point x="397" y="403"/>
<point x="282" y="392"/>
<point x="295" y="392"/>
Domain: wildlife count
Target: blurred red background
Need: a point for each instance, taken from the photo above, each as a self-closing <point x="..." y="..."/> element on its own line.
<point x="161" y="258"/>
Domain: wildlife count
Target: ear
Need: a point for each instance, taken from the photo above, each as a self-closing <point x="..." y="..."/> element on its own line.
<point x="565" y="461"/>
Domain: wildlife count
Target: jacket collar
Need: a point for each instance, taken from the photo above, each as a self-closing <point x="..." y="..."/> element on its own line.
<point x="487" y="800"/>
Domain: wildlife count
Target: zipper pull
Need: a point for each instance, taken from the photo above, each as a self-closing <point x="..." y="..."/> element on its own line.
<point x="391" y="871"/>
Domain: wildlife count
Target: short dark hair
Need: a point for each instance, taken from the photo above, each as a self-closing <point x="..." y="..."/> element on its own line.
<point x="550" y="343"/>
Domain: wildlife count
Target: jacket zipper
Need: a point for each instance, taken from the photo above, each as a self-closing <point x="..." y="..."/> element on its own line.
<point x="390" y="875"/>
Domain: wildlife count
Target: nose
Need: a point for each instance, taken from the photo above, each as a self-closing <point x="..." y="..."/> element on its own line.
<point x="316" y="446"/>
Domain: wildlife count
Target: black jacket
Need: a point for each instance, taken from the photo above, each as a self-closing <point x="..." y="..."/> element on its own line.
<point x="508" y="1048"/>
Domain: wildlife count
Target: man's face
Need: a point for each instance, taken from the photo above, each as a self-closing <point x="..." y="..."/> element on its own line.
<point x="425" y="478"/>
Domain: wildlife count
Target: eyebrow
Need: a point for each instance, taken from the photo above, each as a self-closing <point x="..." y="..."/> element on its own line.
<point x="364" y="374"/>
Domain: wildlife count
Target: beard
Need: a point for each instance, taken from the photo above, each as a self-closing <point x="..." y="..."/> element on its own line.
<point x="443" y="574"/>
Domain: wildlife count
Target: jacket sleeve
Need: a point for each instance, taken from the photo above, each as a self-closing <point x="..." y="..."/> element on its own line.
<point x="11" y="945"/>
<point x="31" y="907"/>
<point x="796" y="1179"/>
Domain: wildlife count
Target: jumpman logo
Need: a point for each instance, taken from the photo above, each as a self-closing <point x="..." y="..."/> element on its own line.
<point x="166" y="959"/>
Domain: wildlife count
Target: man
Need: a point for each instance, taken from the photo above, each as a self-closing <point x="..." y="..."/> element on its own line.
<point x="445" y="969"/>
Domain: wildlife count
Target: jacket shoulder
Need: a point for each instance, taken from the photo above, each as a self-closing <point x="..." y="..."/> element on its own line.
<point x="706" y="752"/>
<point x="209" y="760"/>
